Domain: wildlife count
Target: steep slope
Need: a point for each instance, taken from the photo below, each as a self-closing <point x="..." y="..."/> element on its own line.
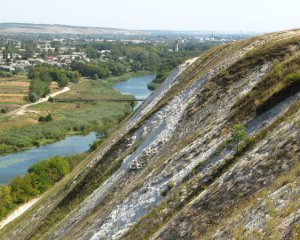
<point x="165" y="174"/>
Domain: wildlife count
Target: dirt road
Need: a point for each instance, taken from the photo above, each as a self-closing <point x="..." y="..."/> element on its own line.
<point x="22" y="110"/>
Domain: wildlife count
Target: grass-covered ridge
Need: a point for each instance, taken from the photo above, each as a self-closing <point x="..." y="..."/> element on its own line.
<point x="192" y="188"/>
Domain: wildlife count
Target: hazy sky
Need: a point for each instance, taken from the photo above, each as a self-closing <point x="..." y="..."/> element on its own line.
<point x="224" y="15"/>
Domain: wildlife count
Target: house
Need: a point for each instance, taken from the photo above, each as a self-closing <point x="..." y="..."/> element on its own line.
<point x="51" y="58"/>
<point x="35" y="60"/>
<point x="7" y="68"/>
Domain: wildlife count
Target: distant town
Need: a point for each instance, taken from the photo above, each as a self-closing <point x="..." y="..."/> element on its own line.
<point x="18" y="54"/>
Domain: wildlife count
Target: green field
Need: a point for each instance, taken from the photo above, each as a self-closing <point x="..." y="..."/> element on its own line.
<point x="21" y="132"/>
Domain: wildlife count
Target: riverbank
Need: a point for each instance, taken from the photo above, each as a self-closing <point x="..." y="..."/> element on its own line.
<point x="17" y="164"/>
<point x="127" y="76"/>
<point x="95" y="119"/>
<point x="22" y="132"/>
<point x="86" y="88"/>
<point x="21" y="192"/>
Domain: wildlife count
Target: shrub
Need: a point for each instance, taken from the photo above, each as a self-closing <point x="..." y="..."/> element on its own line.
<point x="96" y="144"/>
<point x="48" y="172"/>
<point x="95" y="77"/>
<point x="170" y="185"/>
<point x="238" y="137"/>
<point x="153" y="86"/>
<point x="294" y="77"/>
<point x="22" y="189"/>
<point x="4" y="74"/>
<point x="4" y="110"/>
<point x="48" y="118"/>
<point x="33" y="97"/>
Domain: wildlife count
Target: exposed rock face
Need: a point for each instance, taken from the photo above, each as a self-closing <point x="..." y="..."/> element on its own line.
<point x="166" y="174"/>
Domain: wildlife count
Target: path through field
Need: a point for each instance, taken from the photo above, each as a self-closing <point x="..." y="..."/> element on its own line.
<point x="22" y="110"/>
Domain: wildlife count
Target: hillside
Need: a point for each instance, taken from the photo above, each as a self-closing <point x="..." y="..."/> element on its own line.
<point x="28" y="28"/>
<point x="167" y="172"/>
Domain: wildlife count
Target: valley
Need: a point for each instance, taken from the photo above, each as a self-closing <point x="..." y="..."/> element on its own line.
<point x="168" y="173"/>
<point x="212" y="153"/>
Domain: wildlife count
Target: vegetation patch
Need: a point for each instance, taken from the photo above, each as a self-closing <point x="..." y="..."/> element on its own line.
<point x="281" y="82"/>
<point x="40" y="177"/>
<point x="42" y="76"/>
<point x="103" y="169"/>
<point x="159" y="79"/>
<point x="22" y="132"/>
<point x="13" y="91"/>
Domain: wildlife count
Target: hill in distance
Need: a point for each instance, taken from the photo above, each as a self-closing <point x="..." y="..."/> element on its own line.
<point x="29" y="28"/>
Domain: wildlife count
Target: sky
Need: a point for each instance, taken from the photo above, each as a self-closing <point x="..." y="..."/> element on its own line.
<point x="197" y="15"/>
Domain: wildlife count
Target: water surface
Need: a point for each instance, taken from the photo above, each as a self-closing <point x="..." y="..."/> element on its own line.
<point x="18" y="163"/>
<point x="136" y="86"/>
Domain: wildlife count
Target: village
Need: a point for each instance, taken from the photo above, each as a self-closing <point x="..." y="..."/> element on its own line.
<point x="56" y="53"/>
<point x="19" y="55"/>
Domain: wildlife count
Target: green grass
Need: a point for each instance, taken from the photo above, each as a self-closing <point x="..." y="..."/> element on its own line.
<point x="21" y="132"/>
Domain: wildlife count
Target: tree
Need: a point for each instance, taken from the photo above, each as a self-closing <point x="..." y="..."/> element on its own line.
<point x="91" y="52"/>
<point x="56" y="45"/>
<point x="4" y="110"/>
<point x="48" y="118"/>
<point x="238" y="137"/>
<point x="95" y="77"/>
<point x="62" y="79"/>
<point x="39" y="87"/>
<point x="33" y="97"/>
<point x="22" y="189"/>
<point x="73" y="76"/>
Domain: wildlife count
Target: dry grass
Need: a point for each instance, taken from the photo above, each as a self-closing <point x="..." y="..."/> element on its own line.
<point x="13" y="91"/>
<point x="14" y="83"/>
<point x="233" y="225"/>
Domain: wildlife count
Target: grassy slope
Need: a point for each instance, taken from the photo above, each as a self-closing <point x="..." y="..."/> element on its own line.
<point x="158" y="216"/>
<point x="233" y="224"/>
<point x="148" y="223"/>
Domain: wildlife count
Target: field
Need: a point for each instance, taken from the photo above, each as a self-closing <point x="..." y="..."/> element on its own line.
<point x="13" y="91"/>
<point x="21" y="132"/>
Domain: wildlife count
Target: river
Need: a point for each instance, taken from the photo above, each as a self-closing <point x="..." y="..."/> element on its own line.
<point x="18" y="163"/>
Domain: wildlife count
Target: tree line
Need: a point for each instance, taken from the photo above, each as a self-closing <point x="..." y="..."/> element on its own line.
<point x="120" y="57"/>
<point x="42" y="76"/>
<point x="38" y="179"/>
